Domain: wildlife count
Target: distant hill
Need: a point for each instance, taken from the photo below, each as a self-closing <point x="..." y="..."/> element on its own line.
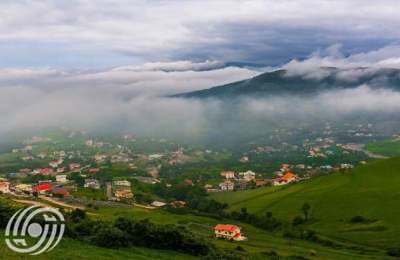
<point x="279" y="82"/>
<point x="371" y="191"/>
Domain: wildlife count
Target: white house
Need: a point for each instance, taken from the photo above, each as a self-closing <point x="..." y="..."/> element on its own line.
<point x="226" y="185"/>
<point x="92" y="183"/>
<point x="61" y="178"/>
<point x="248" y="176"/>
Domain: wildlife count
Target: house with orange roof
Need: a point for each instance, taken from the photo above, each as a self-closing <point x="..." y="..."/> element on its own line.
<point x="285" y="179"/>
<point x="229" y="232"/>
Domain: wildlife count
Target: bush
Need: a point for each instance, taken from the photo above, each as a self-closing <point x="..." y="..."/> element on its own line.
<point x="358" y="219"/>
<point x="393" y="252"/>
<point x="298" y="221"/>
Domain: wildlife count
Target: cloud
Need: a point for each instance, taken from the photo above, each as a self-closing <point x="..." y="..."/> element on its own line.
<point x="351" y="66"/>
<point x="267" y="31"/>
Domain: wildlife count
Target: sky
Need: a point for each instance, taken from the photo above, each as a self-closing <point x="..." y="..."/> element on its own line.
<point x="84" y="34"/>
<point x="111" y="65"/>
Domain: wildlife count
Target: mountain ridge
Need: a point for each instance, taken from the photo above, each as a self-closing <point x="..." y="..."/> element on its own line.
<point x="281" y="82"/>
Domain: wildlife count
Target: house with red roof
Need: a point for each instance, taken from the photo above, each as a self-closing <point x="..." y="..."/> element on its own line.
<point x="229" y="232"/>
<point x="42" y="187"/>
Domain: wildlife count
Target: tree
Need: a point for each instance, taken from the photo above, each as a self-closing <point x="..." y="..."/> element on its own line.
<point x="306" y="208"/>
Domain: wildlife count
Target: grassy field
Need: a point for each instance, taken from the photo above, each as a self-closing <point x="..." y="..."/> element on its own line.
<point x="371" y="191"/>
<point x="259" y="241"/>
<point x="387" y="148"/>
<point x="72" y="249"/>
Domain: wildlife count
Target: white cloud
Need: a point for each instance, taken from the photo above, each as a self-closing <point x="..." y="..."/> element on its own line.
<point x="159" y="28"/>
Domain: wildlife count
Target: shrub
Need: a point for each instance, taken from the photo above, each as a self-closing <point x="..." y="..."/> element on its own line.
<point x="358" y="219"/>
<point x="393" y="252"/>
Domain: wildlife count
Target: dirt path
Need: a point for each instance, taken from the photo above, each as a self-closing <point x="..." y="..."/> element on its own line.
<point x="62" y="204"/>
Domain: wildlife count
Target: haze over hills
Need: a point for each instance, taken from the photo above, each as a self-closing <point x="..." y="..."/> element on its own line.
<point x="284" y="82"/>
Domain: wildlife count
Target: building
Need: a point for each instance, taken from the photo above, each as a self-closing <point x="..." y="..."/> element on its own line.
<point x="226" y="186"/>
<point x="123" y="183"/>
<point x="61" y="178"/>
<point x="59" y="191"/>
<point x="92" y="183"/>
<point x="42" y="187"/>
<point x="123" y="194"/>
<point x="178" y="204"/>
<point x="94" y="170"/>
<point x="74" y="166"/>
<point x="285" y="179"/>
<point x="229" y="232"/>
<point x="60" y="169"/>
<point x="260" y="182"/>
<point x="158" y="204"/>
<point x="4" y="187"/>
<point x="244" y="159"/>
<point x="53" y="164"/>
<point x="228" y="174"/>
<point x="23" y="188"/>
<point x="248" y="176"/>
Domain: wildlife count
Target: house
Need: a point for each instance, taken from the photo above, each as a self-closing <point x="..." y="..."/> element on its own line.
<point x="92" y="183"/>
<point x="158" y="204"/>
<point x="60" y="169"/>
<point x="46" y="171"/>
<point x="260" y="182"/>
<point x="188" y="182"/>
<point x="25" y="170"/>
<point x="94" y="170"/>
<point x="53" y="164"/>
<point x="42" y="187"/>
<point x="228" y="174"/>
<point x="123" y="183"/>
<point x="229" y="232"/>
<point x="178" y="204"/>
<point x="59" y="191"/>
<point x="4" y="187"/>
<point x="226" y="185"/>
<point x="100" y="157"/>
<point x="242" y="184"/>
<point x="244" y="159"/>
<point x="61" y="178"/>
<point x="123" y="194"/>
<point x="74" y="166"/>
<point x="248" y="176"/>
<point x="23" y="188"/>
<point x="285" y="179"/>
<point x="27" y="158"/>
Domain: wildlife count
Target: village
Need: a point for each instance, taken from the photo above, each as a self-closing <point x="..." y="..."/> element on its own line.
<point x="75" y="170"/>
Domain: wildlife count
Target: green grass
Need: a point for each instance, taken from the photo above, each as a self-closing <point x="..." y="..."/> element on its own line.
<point x="387" y="148"/>
<point x="258" y="240"/>
<point x="371" y="190"/>
<point x="72" y="249"/>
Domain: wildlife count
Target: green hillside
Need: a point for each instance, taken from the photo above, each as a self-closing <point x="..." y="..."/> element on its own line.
<point x="371" y="191"/>
<point x="72" y="249"/>
<point x="279" y="82"/>
<point x="387" y="148"/>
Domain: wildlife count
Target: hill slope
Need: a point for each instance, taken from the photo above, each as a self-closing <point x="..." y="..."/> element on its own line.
<point x="278" y="82"/>
<point x="371" y="191"/>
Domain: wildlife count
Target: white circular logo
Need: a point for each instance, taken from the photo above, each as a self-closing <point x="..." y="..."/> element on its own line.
<point x="53" y="230"/>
